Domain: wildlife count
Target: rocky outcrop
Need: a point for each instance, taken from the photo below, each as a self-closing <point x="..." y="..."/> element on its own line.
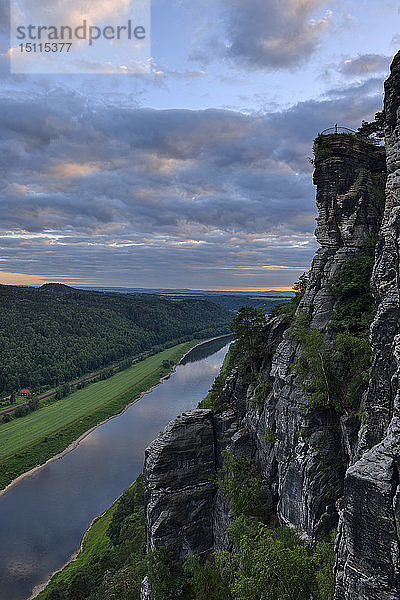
<point x="178" y="468"/>
<point x="368" y="546"/>
<point x="312" y="447"/>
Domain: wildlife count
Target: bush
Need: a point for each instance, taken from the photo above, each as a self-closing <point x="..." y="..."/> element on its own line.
<point x="300" y="287"/>
<point x="216" y="398"/>
<point x="314" y="366"/>
<point x="355" y="307"/>
<point x="269" y="436"/>
<point x="21" y="411"/>
<point x="205" y="582"/>
<point x="337" y="375"/>
<point x="260" y="392"/>
<point x="275" y="564"/>
<point x="33" y="404"/>
<point x="213" y="398"/>
<point x="288" y="309"/>
<point x="62" y="391"/>
<point x="374" y="130"/>
<point x="334" y="376"/>
<point x="131" y="501"/>
<point x="321" y="148"/>
<point x="353" y="356"/>
<point x="325" y="558"/>
<point x="165" y="575"/>
<point x="251" y="347"/>
<point x="58" y="591"/>
<point x="239" y="482"/>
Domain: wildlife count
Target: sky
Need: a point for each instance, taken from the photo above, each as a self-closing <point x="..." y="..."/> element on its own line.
<point x="196" y="174"/>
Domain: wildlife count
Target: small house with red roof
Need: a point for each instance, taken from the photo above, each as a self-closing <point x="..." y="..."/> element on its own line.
<point x="25" y="392"/>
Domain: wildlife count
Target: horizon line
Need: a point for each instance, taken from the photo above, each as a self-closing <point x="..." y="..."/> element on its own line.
<point x="127" y="287"/>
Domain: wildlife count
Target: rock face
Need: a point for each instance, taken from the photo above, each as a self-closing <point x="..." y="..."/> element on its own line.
<point x="305" y="466"/>
<point x="304" y="458"/>
<point x="179" y="464"/>
<point x="369" y="535"/>
<point x="319" y="469"/>
<point x="312" y="447"/>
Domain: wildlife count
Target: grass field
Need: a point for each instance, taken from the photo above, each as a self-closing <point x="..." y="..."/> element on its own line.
<point x="31" y="440"/>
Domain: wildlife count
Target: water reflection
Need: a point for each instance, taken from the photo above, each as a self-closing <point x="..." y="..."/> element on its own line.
<point x="42" y="519"/>
<point x="204" y="350"/>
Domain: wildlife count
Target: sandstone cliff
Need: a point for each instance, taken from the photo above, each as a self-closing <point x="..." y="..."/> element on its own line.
<point x="369" y="534"/>
<point x="321" y="467"/>
<point x="178" y="494"/>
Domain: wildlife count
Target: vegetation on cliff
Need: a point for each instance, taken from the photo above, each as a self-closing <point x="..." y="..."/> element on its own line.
<point x="267" y="562"/>
<point x="374" y="130"/>
<point x="336" y="373"/>
<point x="215" y="396"/>
<point x="275" y="564"/>
<point x="240" y="483"/>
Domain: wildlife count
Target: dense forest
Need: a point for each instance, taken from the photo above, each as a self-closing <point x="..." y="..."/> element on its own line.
<point x="55" y="333"/>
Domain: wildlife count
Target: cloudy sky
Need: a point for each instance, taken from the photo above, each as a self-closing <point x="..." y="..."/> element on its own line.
<point x="197" y="174"/>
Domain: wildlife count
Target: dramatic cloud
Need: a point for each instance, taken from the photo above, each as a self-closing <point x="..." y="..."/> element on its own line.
<point x="141" y="197"/>
<point x="365" y="65"/>
<point x="274" y="34"/>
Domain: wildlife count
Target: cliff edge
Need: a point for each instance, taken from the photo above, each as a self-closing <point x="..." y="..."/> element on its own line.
<point x="314" y="408"/>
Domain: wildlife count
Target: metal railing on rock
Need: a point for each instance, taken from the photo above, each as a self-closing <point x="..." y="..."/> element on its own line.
<point x="336" y="129"/>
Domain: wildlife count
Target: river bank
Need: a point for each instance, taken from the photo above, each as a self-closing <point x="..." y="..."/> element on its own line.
<point x="44" y="517"/>
<point x="37" y="592"/>
<point x="53" y="445"/>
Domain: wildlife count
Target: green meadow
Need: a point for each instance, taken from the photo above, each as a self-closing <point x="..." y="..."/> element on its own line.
<point x="31" y="440"/>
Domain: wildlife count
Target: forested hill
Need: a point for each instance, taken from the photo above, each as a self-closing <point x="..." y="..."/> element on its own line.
<point x="55" y="333"/>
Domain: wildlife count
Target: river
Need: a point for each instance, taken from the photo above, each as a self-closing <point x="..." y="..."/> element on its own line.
<point x="43" y="517"/>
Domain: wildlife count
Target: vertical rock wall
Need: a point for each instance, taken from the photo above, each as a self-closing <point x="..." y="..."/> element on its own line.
<point x="368" y="566"/>
<point x="304" y="465"/>
<point x="310" y="451"/>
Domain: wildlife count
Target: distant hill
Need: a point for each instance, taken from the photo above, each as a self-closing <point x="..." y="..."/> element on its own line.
<point x="56" y="333"/>
<point x="188" y="292"/>
<point x="56" y="288"/>
<point x="230" y="300"/>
